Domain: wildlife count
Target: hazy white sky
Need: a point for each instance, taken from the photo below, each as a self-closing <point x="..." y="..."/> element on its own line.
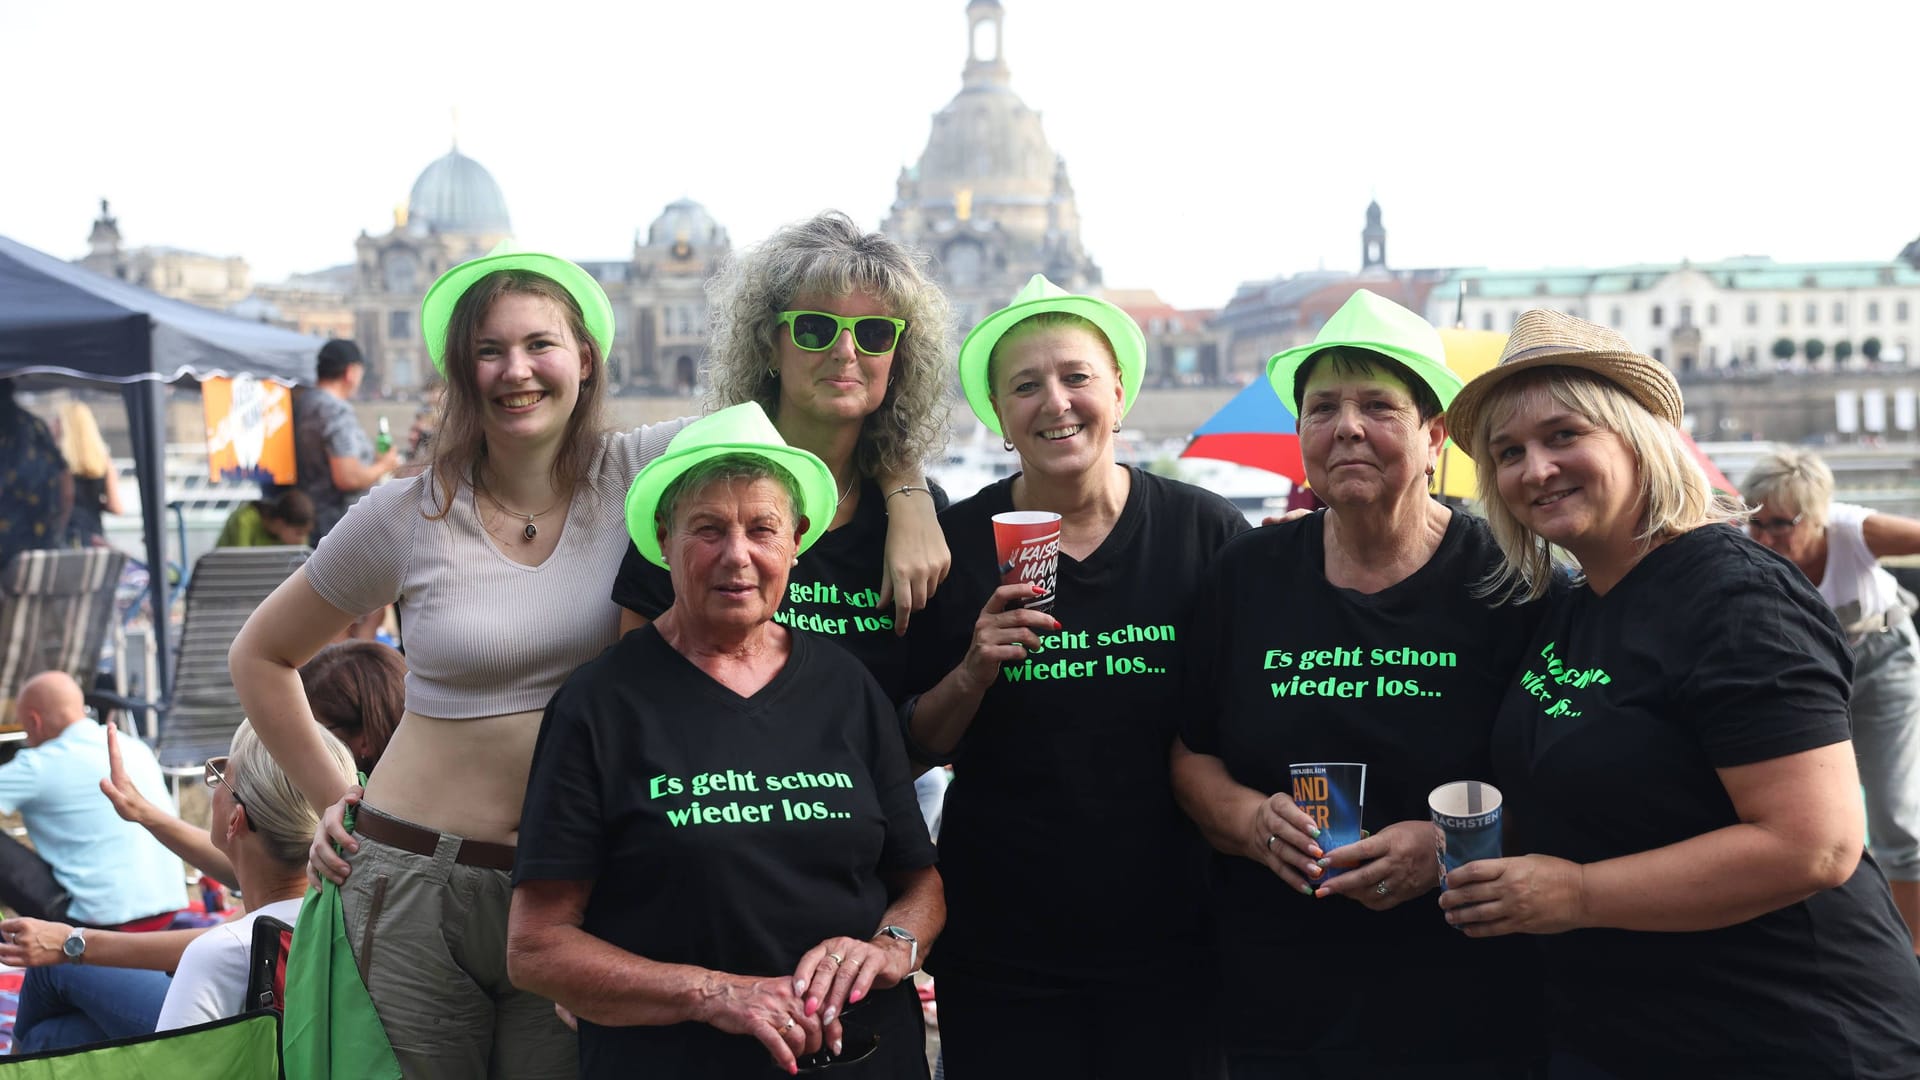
<point x="1211" y="142"/>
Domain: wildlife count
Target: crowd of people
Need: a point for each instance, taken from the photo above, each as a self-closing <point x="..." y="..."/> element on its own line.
<point x="641" y="796"/>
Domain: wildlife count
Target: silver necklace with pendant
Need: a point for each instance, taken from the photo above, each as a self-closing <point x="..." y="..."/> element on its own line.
<point x="530" y="530"/>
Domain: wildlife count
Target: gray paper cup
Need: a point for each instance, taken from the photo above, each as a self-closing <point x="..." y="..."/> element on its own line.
<point x="1468" y="814"/>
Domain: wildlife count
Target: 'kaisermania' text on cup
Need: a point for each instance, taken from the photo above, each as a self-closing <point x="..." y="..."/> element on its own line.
<point x="1028" y="542"/>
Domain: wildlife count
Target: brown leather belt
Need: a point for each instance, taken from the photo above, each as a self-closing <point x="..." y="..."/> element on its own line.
<point x="393" y="832"/>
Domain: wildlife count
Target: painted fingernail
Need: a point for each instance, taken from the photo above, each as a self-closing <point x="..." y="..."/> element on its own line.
<point x="1039" y="591"/>
<point x="813" y="1006"/>
<point x="830" y="1014"/>
<point x="1056" y="624"/>
<point x="1314" y="871"/>
<point x="1323" y="861"/>
<point x="854" y="998"/>
<point x="836" y="1048"/>
<point x="1313" y="832"/>
<point x="1314" y="850"/>
<point x="1306" y="889"/>
<point x="799" y="986"/>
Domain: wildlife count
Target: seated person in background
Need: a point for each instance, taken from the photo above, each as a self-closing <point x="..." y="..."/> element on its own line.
<point x="88" y="866"/>
<point x="261" y="828"/>
<point x="284" y="519"/>
<point x="355" y="689"/>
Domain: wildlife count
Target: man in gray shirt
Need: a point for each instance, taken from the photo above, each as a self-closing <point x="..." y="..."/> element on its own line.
<point x="333" y="455"/>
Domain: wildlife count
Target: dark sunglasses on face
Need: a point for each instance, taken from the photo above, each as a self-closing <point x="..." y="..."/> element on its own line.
<point x="816" y="331"/>
<point x="1774" y="526"/>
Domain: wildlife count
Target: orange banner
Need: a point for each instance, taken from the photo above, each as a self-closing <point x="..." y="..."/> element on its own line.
<point x="249" y="429"/>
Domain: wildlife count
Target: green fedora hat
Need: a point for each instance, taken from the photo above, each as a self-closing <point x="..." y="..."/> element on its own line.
<point x="1039" y="296"/>
<point x="739" y="429"/>
<point x="436" y="308"/>
<point x="1372" y="322"/>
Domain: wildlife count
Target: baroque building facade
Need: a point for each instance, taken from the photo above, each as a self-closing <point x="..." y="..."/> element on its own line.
<point x="1740" y="314"/>
<point x="989" y="201"/>
<point x="456" y="211"/>
<point x="1266" y="317"/>
<point x="214" y="281"/>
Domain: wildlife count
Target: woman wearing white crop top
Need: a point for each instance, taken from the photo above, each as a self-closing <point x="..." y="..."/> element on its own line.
<point x="1838" y="546"/>
<point x="500" y="557"/>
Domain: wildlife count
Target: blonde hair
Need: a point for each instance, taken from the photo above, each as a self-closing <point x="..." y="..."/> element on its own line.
<point x="280" y="814"/>
<point x="80" y="441"/>
<point x="829" y="254"/>
<point x="1675" y="496"/>
<point x="1791" y="478"/>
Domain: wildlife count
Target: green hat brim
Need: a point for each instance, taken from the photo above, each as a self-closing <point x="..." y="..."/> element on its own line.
<point x="436" y="308"/>
<point x="818" y="499"/>
<point x="1284" y="367"/>
<point x="1129" y="348"/>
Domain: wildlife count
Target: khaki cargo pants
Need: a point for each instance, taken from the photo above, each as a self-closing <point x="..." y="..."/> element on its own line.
<point x="430" y="938"/>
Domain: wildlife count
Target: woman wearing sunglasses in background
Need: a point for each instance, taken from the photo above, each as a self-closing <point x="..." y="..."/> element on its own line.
<point x="842" y="340"/>
<point x="1838" y="546"/>
<point x="90" y="986"/>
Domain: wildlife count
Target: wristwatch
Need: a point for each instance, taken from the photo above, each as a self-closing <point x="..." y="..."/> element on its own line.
<point x="75" y="944"/>
<point x="913" y="944"/>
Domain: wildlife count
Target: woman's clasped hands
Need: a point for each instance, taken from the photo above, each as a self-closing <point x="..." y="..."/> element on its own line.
<point x="1381" y="870"/>
<point x="770" y="1011"/>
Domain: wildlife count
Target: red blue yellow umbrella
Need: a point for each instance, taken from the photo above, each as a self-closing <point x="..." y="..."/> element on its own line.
<point x="1254" y="429"/>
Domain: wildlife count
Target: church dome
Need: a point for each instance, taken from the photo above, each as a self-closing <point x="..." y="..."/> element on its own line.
<point x="686" y="220"/>
<point x="988" y="140"/>
<point x="456" y="194"/>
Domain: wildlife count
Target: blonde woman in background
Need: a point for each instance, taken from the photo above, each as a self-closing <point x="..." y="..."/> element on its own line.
<point x="96" y="485"/>
<point x="1838" y="547"/>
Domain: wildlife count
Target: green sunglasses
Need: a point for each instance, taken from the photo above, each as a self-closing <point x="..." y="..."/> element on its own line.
<point x="816" y="331"/>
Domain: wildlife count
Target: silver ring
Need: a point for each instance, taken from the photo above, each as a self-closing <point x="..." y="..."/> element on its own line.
<point x="836" y="958"/>
<point x="1270" y="839"/>
<point x="788" y="1027"/>
<point x="1382" y="889"/>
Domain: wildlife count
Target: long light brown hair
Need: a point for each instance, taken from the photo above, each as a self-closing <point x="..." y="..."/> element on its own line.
<point x="460" y="446"/>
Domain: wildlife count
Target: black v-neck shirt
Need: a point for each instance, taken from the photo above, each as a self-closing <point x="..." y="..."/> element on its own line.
<point x="1287" y="667"/>
<point x="726" y="832"/>
<point x="1061" y="846"/>
<point x="1711" y="653"/>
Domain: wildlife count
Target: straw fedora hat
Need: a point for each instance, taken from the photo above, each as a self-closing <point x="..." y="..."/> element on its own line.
<point x="1545" y="338"/>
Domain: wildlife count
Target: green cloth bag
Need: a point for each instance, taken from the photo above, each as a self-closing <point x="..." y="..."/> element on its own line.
<point x="330" y="1029"/>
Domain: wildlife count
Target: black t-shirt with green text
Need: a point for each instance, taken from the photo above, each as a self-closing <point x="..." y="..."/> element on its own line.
<point x="1712" y="653"/>
<point x="834" y="591"/>
<point x="725" y="832"/>
<point x="1061" y="847"/>
<point x="1286" y="667"/>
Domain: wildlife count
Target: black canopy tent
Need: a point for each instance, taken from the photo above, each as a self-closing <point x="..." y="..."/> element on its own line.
<point x="60" y="323"/>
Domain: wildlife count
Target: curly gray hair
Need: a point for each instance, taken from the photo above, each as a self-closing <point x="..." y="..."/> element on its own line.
<point x="829" y="254"/>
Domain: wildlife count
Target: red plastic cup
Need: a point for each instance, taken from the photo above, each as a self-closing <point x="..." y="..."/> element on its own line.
<point x="1029" y="545"/>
